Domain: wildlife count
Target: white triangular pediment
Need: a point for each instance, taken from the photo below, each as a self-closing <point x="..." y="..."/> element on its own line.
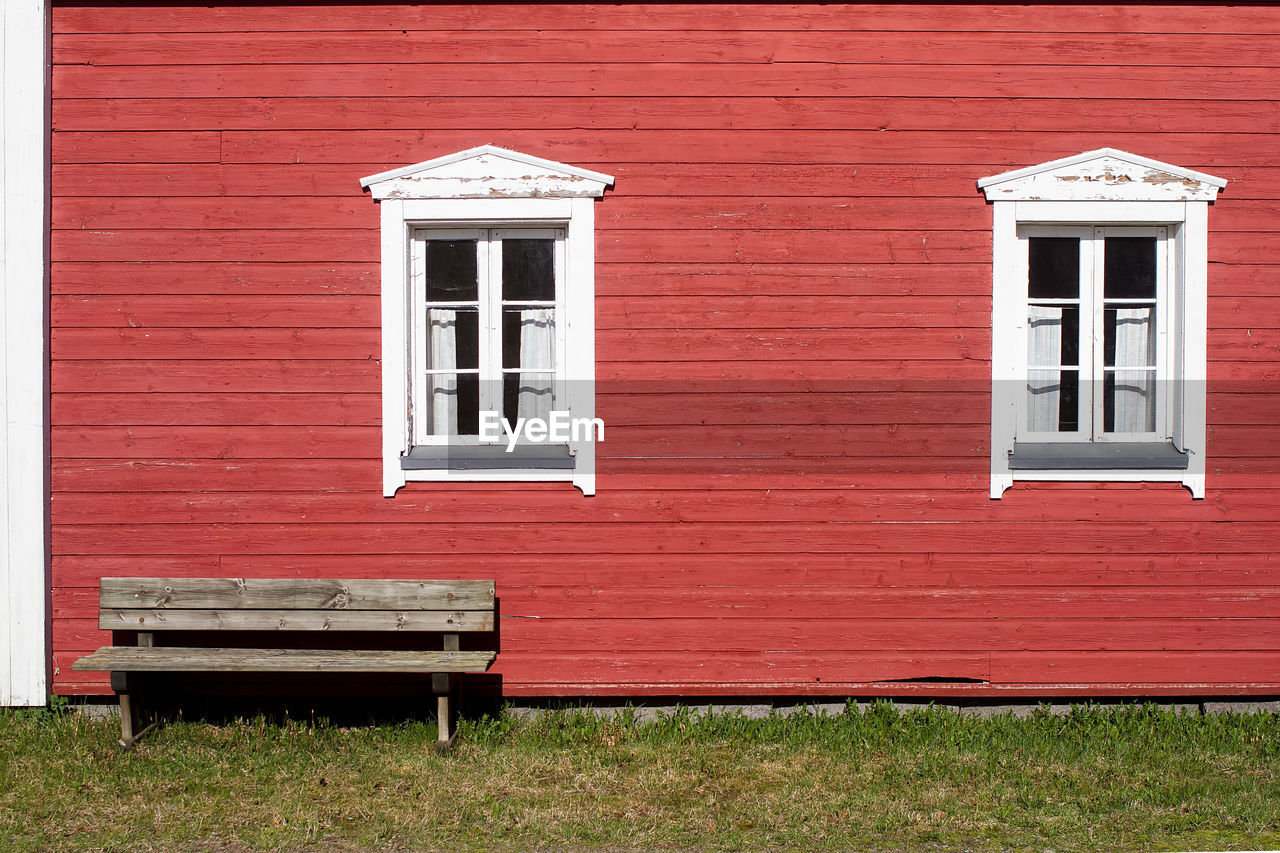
<point x="487" y="172"/>
<point x="1102" y="175"/>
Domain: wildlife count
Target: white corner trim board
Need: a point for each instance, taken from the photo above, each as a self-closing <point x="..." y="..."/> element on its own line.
<point x="24" y="650"/>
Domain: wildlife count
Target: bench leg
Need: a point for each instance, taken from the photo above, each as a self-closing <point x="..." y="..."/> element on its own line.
<point x="131" y="729"/>
<point x="443" y="685"/>
<point x="123" y="685"/>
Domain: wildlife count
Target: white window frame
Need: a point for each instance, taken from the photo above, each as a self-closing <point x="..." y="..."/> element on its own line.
<point x="1091" y="304"/>
<point x="490" y="304"/>
<point x="1096" y="192"/>
<point x="487" y="188"/>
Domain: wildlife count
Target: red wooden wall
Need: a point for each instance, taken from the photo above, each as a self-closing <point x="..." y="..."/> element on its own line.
<point x="793" y="273"/>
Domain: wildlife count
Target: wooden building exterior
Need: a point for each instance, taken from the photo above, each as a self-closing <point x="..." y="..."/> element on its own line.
<point x="793" y="335"/>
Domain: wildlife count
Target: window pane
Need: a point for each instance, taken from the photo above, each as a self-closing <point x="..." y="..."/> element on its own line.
<point x="528" y="338"/>
<point x="451" y="271"/>
<point x="453" y="339"/>
<point x="526" y="395"/>
<point x="1129" y="338"/>
<point x="1053" y="400"/>
<point x="528" y="344"/>
<point x="1129" y="268"/>
<point x="455" y="404"/>
<point x="528" y="270"/>
<point x="1054" y="268"/>
<point x="1129" y="401"/>
<point x="1053" y="335"/>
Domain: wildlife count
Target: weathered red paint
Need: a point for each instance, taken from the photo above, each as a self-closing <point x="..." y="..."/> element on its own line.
<point x="793" y="270"/>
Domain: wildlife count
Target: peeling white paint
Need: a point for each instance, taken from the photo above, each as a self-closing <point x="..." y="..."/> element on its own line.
<point x="487" y="172"/>
<point x="1102" y="175"/>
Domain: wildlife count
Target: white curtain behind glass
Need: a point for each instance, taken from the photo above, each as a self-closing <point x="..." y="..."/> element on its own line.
<point x="1044" y="347"/>
<point x="1134" y="389"/>
<point x="443" y="334"/>
<point x="537" y="351"/>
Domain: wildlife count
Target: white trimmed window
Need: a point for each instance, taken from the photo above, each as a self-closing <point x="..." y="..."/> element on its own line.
<point x="488" y="319"/>
<point x="1099" y="292"/>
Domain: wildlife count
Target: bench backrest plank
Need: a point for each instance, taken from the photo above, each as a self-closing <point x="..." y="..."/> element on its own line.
<point x="294" y="620"/>
<point x="287" y="604"/>
<point x="173" y="594"/>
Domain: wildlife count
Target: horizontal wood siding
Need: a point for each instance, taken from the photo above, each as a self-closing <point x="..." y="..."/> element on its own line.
<point x="794" y="335"/>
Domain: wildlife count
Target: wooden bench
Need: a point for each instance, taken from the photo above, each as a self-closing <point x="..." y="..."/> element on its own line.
<point x="203" y="607"/>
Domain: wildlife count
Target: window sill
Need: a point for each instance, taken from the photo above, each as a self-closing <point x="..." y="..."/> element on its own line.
<point x="1097" y="456"/>
<point x="489" y="457"/>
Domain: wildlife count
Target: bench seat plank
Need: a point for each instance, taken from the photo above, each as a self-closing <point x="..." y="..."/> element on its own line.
<point x="171" y="619"/>
<point x="186" y="659"/>
<point x="296" y="593"/>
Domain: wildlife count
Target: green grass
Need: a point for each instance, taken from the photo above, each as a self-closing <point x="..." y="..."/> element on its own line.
<point x="1129" y="778"/>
